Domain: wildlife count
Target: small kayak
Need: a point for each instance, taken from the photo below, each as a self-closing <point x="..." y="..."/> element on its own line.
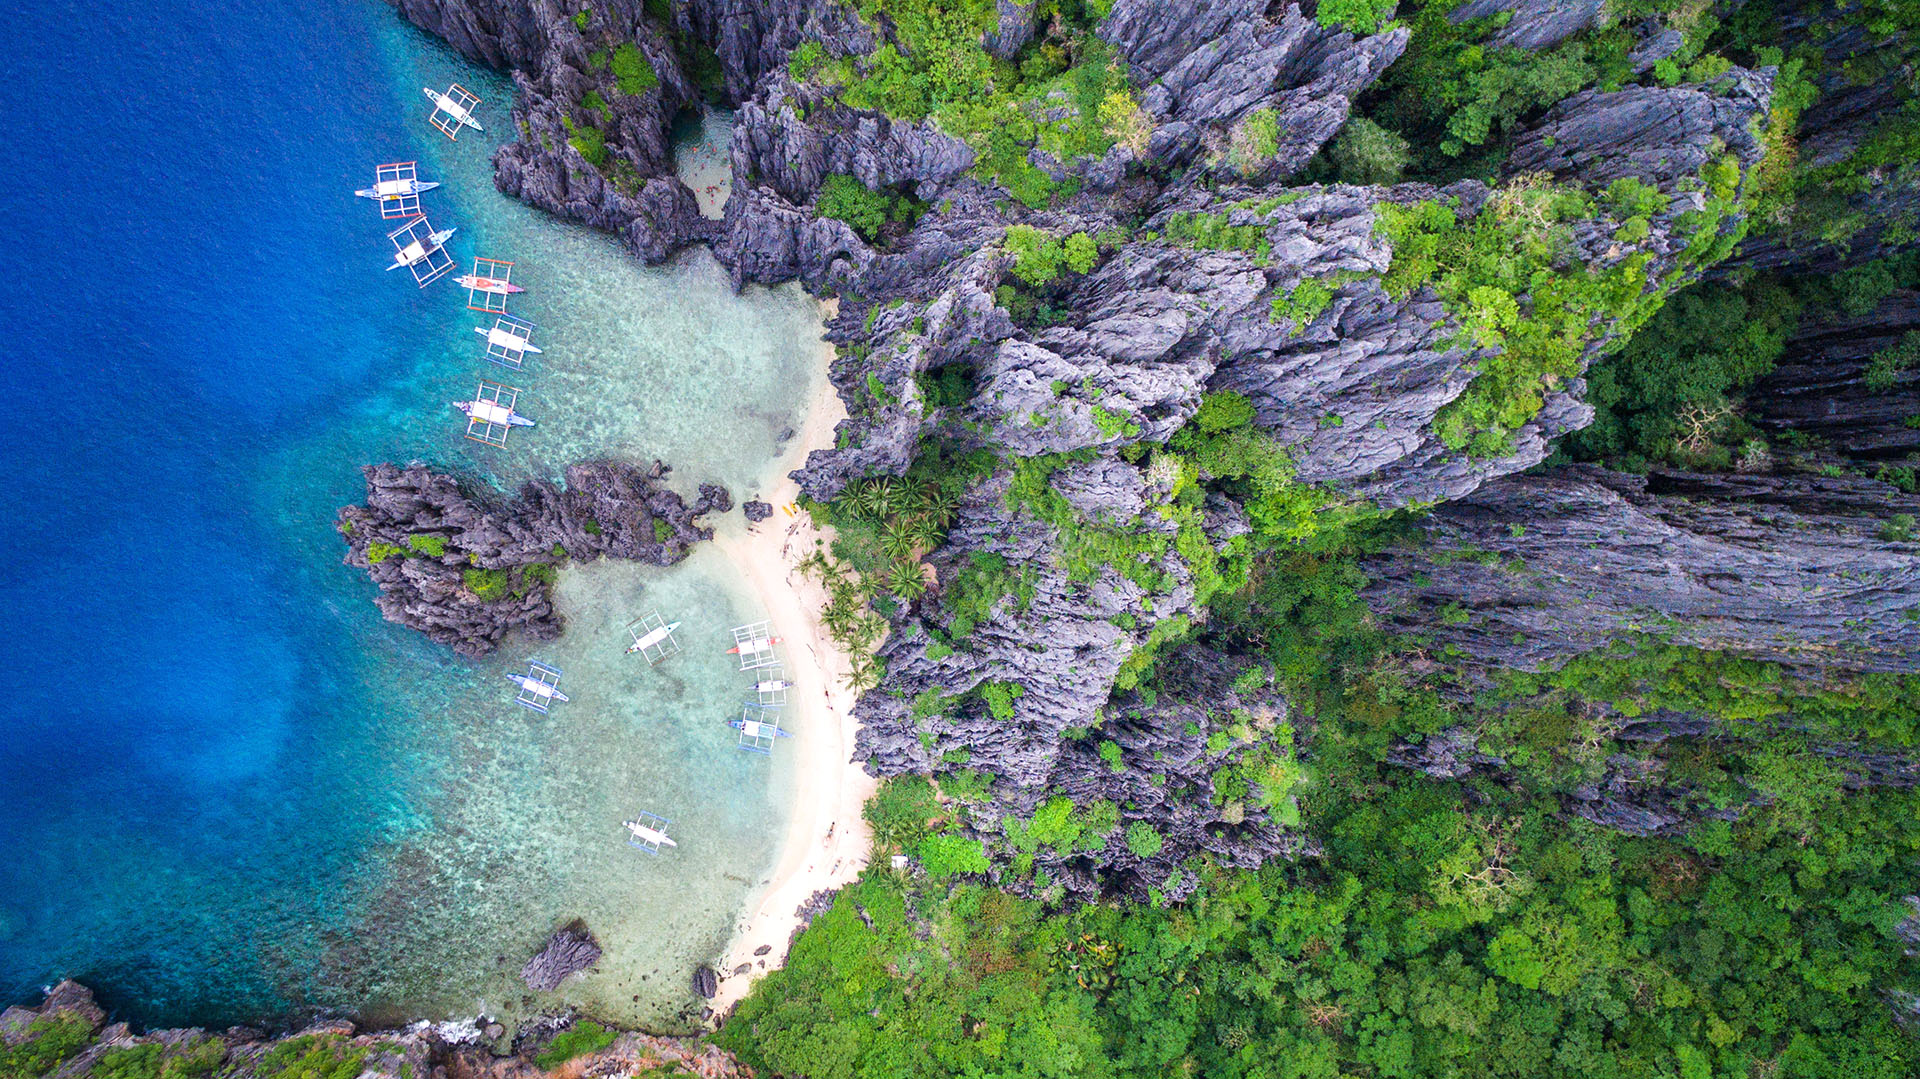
<point x="491" y="412"/>
<point x="391" y="190"/>
<point x="762" y="644"/>
<point x="537" y="687"/>
<point x="499" y="286"/>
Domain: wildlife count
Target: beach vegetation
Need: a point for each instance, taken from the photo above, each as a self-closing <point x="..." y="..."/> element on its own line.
<point x="582" y="1038"/>
<point x="944" y="856"/>
<point x="901" y="813"/>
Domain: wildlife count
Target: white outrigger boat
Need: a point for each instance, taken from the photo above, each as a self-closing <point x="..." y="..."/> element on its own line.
<point x="537" y="687"/>
<point x="452" y="110"/>
<point x="396" y="190"/>
<point x="753" y="645"/>
<point x="648" y="832"/>
<point x="420" y="249"/>
<point x="649" y="835"/>
<point x="754" y="728"/>
<point x="495" y="413"/>
<point x="655" y="636"/>
<point x="508" y="337"/>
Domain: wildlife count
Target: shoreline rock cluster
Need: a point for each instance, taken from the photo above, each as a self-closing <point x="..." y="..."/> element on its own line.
<point x="466" y="568"/>
<point x="476" y="1049"/>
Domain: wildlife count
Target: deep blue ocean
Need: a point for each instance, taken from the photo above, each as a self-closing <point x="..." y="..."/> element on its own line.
<point x="212" y="752"/>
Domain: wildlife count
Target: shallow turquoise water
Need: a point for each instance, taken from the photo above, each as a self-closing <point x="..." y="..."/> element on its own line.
<point x="232" y="792"/>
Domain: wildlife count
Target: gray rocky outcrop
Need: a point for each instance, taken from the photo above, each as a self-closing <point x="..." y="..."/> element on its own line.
<point x="1826" y="385"/>
<point x="1208" y="66"/>
<point x="705" y="981"/>
<point x="1850" y="210"/>
<point x="790" y="138"/>
<point x="473" y="1047"/>
<point x="588" y="149"/>
<point x="1531" y="570"/>
<point x="1535" y="24"/>
<point x="569" y="951"/>
<point x="466" y="568"/>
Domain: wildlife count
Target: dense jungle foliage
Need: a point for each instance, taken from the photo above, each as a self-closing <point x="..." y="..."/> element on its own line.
<point x="1454" y="929"/>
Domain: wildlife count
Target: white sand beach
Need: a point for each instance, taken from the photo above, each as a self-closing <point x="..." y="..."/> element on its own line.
<point x="827" y="840"/>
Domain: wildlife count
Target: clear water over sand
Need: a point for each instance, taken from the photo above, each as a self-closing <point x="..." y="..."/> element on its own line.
<point x="238" y="794"/>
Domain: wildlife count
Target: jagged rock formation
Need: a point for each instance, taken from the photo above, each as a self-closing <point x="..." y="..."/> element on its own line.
<point x="1531" y="570"/>
<point x="1825" y="384"/>
<point x="460" y="567"/>
<point x="1865" y="85"/>
<point x="1209" y="66"/>
<point x="423" y="1049"/>
<point x="1535" y="24"/>
<point x="569" y="951"/>
<point x="564" y="82"/>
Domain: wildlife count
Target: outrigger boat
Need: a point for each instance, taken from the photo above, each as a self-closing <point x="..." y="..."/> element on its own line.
<point x="503" y="335"/>
<point x="753" y="728"/>
<point x="774" y="686"/>
<point x="420" y="250"/>
<point x="456" y="105"/>
<point x="498" y="286"/>
<point x="395" y="190"/>
<point x="493" y="412"/>
<point x="760" y="644"/>
<point x="534" y="685"/>
<point x="644" y="834"/>
<point x="658" y="635"/>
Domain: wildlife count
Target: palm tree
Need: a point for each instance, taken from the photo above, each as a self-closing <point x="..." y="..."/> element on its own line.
<point x="927" y="532"/>
<point x="905" y="580"/>
<point x="899" y="539"/>
<point x="873" y="498"/>
<point x="938" y="507"/>
<point x="885" y="498"/>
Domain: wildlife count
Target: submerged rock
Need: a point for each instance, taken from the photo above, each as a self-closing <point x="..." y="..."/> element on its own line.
<point x="705" y="981"/>
<point x="570" y="950"/>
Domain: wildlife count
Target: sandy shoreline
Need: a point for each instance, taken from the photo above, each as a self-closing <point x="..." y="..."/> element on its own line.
<point x="827" y="841"/>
